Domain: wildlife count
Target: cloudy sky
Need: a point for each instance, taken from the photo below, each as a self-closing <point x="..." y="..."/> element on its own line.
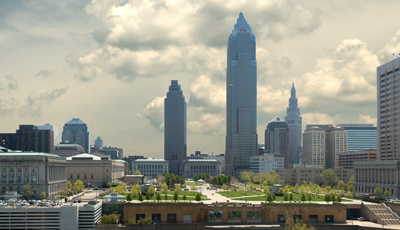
<point x="111" y="63"/>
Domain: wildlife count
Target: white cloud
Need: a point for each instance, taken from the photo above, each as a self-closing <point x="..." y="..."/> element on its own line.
<point x="154" y="113"/>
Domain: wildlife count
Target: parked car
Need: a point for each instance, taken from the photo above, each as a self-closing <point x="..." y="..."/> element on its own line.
<point x="186" y="189"/>
<point x="363" y="219"/>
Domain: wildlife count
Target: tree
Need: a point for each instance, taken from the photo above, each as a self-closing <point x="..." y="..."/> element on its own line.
<point x="291" y="224"/>
<point x="309" y="197"/>
<point x="137" y="172"/>
<point x="224" y="187"/>
<point x="327" y="198"/>
<point x="164" y="188"/>
<point x="178" y="187"/>
<point x="78" y="185"/>
<point x="110" y="219"/>
<point x="165" y="196"/>
<point x="303" y="197"/>
<point x="151" y="191"/>
<point x="147" y="196"/>
<point x="176" y="196"/>
<point x="140" y="197"/>
<point x="198" y="197"/>
<point x="119" y="189"/>
<point x="339" y="198"/>
<point x="290" y="197"/>
<point x="386" y="193"/>
<point x="329" y="177"/>
<point x="214" y="180"/>
<point x="285" y="197"/>
<point x="69" y="185"/>
<point x="333" y="198"/>
<point x="43" y="195"/>
<point x="184" y="197"/>
<point x="269" y="198"/>
<point x="274" y="178"/>
<point x="158" y="197"/>
<point x="29" y="190"/>
<point x="378" y="191"/>
<point x="181" y="180"/>
<point x="129" y="197"/>
<point x="135" y="190"/>
<point x="144" y="221"/>
<point x="161" y="178"/>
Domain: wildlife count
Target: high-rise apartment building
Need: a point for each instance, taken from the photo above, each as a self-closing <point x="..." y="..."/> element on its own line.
<point x="277" y="139"/>
<point x="76" y="131"/>
<point x="29" y="138"/>
<point x="322" y="145"/>
<point x="388" y="124"/>
<point x="175" y="145"/>
<point x="294" y="122"/>
<point x="241" y="98"/>
<point x="360" y="136"/>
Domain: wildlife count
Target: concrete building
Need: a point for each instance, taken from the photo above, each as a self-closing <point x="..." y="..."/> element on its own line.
<point x="114" y="152"/>
<point x="267" y="162"/>
<point x="388" y="124"/>
<point x="346" y="160"/>
<point x="45" y="172"/>
<point x="360" y="137"/>
<point x="277" y="139"/>
<point x="49" y="126"/>
<point x="220" y="158"/>
<point x="150" y="167"/>
<point x="310" y="173"/>
<point x="175" y="128"/>
<point x="68" y="149"/>
<point x="241" y="98"/>
<point x="58" y="217"/>
<point x="98" y="143"/>
<point x="29" y="138"/>
<point x="294" y="122"/>
<point x="372" y="174"/>
<point x="76" y="131"/>
<point x="196" y="166"/>
<point x="93" y="170"/>
<point x="322" y="145"/>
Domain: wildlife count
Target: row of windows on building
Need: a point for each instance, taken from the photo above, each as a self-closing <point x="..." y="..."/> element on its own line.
<point x="18" y="169"/>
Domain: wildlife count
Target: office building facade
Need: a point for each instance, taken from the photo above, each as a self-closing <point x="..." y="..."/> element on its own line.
<point x="76" y="131"/>
<point x="150" y="167"/>
<point x="277" y="139"/>
<point x="267" y="162"/>
<point x="175" y="128"/>
<point x="197" y="166"/>
<point x="68" y="149"/>
<point x="388" y="111"/>
<point x="241" y="98"/>
<point x="48" y="126"/>
<point x="294" y="122"/>
<point x="360" y="137"/>
<point x="346" y="160"/>
<point x="29" y="138"/>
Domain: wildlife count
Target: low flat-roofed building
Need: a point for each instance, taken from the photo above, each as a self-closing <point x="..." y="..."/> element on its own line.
<point x="150" y="167"/>
<point x="310" y="173"/>
<point x="45" y="172"/>
<point x="134" y="179"/>
<point x="57" y="217"/>
<point x="372" y="174"/>
<point x="346" y="160"/>
<point x="68" y="149"/>
<point x="267" y="162"/>
<point x="93" y="170"/>
<point x="192" y="167"/>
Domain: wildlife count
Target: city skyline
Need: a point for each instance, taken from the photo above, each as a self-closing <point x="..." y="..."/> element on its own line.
<point x="58" y="60"/>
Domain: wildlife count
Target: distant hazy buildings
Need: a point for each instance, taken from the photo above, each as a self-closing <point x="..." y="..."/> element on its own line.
<point x="45" y="172"/>
<point x="114" y="152"/>
<point x="98" y="143"/>
<point x="68" y="149"/>
<point x="175" y="128"/>
<point x="241" y="98"/>
<point x="49" y="126"/>
<point x="388" y="89"/>
<point x="267" y="162"/>
<point x="294" y="122"/>
<point x="93" y="170"/>
<point x="150" y="167"/>
<point x="322" y="145"/>
<point x="76" y="131"/>
<point x="29" y="138"/>
<point x="277" y="139"/>
<point x="360" y="136"/>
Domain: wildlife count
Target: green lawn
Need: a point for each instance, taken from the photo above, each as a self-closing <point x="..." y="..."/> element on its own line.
<point x="296" y="197"/>
<point x="230" y="194"/>
<point x="190" y="183"/>
<point x="171" y="196"/>
<point x="187" y="193"/>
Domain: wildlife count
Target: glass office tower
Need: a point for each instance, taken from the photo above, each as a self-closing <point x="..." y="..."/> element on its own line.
<point x="241" y="98"/>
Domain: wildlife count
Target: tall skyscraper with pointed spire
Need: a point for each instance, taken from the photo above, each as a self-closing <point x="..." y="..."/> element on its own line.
<point x="175" y="128"/>
<point x="294" y="121"/>
<point x="241" y="98"/>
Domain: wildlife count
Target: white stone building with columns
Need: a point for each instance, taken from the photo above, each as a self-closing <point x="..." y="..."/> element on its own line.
<point x="372" y="174"/>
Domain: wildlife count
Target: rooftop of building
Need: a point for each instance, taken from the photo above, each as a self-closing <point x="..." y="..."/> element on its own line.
<point x="75" y="121"/>
<point x="202" y="160"/>
<point x="85" y="156"/>
<point x="11" y="153"/>
<point x="150" y="160"/>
